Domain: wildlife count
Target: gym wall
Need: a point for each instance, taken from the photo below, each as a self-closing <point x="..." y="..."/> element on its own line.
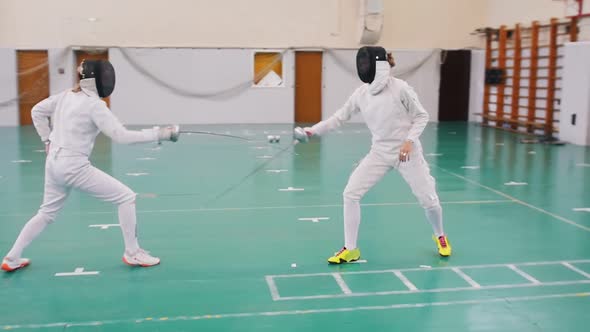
<point x="232" y="35"/>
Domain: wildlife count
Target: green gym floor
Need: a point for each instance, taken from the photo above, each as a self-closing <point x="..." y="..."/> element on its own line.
<point x="516" y="214"/>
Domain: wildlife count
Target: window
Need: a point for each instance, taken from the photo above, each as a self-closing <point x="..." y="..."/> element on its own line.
<point x="268" y="69"/>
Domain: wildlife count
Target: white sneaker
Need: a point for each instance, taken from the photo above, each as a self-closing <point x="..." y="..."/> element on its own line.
<point x="140" y="258"/>
<point x="10" y="265"/>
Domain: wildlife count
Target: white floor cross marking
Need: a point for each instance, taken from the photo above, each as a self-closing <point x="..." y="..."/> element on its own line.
<point x="314" y="219"/>
<point x="276" y="170"/>
<point x="104" y="226"/>
<point x="292" y="189"/>
<point x="79" y="271"/>
<point x="137" y="174"/>
<point x="514" y="183"/>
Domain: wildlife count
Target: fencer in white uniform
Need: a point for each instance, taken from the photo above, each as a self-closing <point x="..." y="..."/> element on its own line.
<point x="396" y="119"/>
<point x="68" y="123"/>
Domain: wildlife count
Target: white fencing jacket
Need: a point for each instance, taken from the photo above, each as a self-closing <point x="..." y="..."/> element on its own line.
<point x="390" y="108"/>
<point x="78" y="117"/>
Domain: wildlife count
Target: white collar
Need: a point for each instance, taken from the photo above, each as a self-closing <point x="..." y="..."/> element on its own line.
<point x="88" y="85"/>
<point x="381" y="77"/>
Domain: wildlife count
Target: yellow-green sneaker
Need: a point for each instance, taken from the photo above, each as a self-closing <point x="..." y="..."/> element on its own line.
<point x="443" y="244"/>
<point x="345" y="256"/>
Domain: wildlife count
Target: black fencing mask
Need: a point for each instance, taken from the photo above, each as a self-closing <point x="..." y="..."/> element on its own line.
<point x="366" y="61"/>
<point x="103" y="73"/>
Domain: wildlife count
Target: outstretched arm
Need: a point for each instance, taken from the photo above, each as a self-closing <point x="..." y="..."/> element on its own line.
<point x="342" y="115"/>
<point x="108" y="123"/>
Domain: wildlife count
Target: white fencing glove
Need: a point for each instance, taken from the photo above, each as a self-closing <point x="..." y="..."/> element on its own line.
<point x="170" y="133"/>
<point x="302" y="134"/>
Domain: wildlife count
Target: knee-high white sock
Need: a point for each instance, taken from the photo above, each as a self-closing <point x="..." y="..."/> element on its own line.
<point x="352" y="220"/>
<point x="434" y="216"/>
<point x="128" y="222"/>
<point x="31" y="230"/>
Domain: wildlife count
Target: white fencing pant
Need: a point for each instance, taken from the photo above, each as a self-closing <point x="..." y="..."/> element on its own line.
<point x="65" y="170"/>
<point x="371" y="170"/>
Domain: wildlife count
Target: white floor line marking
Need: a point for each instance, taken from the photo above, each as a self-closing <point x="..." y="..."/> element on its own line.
<point x="40" y="150"/>
<point x="433" y="154"/>
<point x="470" y="167"/>
<point x="314" y="219"/>
<point x="292" y="189"/>
<point x="473" y="285"/>
<point x="467" y="267"/>
<point x="583" y="165"/>
<point x="405" y="280"/>
<point x="567" y="221"/>
<point x="79" y="271"/>
<point x="341" y="283"/>
<point x="581" y="209"/>
<point x="455" y="202"/>
<point x="104" y="226"/>
<point x="466" y="277"/>
<point x="276" y="170"/>
<point x="523" y="274"/>
<point x="575" y="269"/>
<point x="436" y="290"/>
<point x="506" y="300"/>
<point x="272" y="286"/>
<point x="283" y="207"/>
<point x="145" y="158"/>
<point x="137" y="174"/>
<point x="360" y="261"/>
<point x="532" y="152"/>
<point x="515" y="183"/>
<point x="264" y="157"/>
<point x="21" y="161"/>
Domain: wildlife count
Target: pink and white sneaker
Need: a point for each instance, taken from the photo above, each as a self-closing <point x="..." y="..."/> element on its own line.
<point x="10" y="265"/>
<point x="140" y="258"/>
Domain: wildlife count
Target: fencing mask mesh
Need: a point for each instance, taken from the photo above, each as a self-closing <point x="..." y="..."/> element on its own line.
<point x="103" y="73"/>
<point x="366" y="61"/>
